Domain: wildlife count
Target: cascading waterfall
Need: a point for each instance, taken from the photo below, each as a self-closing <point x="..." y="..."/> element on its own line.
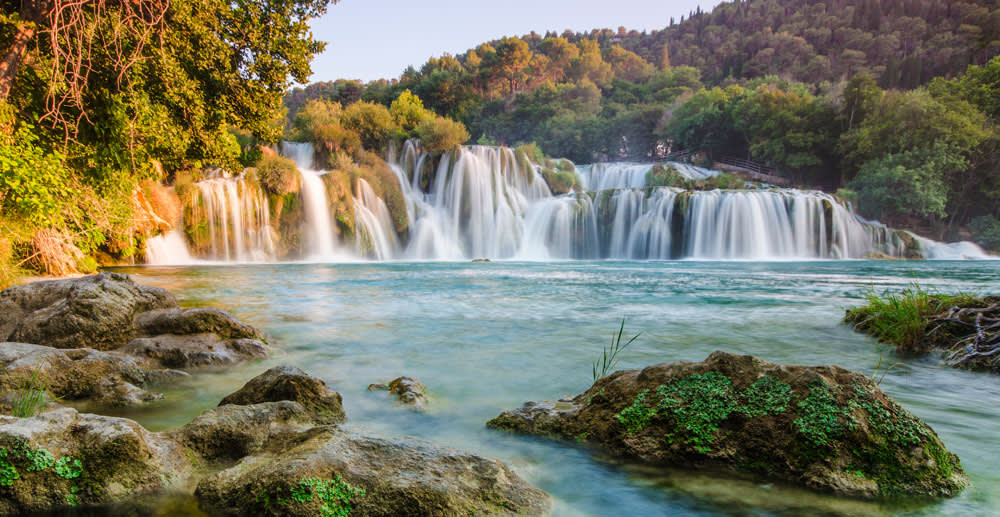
<point x="168" y="249"/>
<point x="321" y="243"/>
<point x="238" y="220"/>
<point x="376" y="233"/>
<point x="478" y="201"/>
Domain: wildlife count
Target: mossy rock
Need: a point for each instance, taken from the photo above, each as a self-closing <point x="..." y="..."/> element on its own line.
<point x="821" y="427"/>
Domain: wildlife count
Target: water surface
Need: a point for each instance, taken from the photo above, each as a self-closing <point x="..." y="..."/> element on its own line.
<point x="486" y="337"/>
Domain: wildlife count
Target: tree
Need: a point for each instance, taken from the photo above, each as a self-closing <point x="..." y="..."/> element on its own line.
<point x="910" y="183"/>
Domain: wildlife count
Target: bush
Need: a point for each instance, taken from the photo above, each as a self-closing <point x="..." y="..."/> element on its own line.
<point x="278" y="175"/>
<point x="372" y="122"/>
<point x="560" y="182"/>
<point x="668" y="176"/>
<point x="986" y="232"/>
<point x="440" y="134"/>
<point x="408" y="111"/>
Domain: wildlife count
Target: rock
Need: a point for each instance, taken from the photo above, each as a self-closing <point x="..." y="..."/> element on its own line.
<point x="165" y="376"/>
<point x="407" y="389"/>
<point x="94" y="311"/>
<point x="203" y="320"/>
<point x="290" y="383"/>
<point x="376" y="476"/>
<point x="73" y="374"/>
<point x="63" y="458"/>
<point x="231" y="432"/>
<point x="192" y="351"/>
<point x="821" y="427"/>
<point x="481" y="260"/>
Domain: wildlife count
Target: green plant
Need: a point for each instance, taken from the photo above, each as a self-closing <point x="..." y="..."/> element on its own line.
<point x="819" y="418"/>
<point x="8" y="472"/>
<point x="30" y="396"/>
<point x="638" y="415"/>
<point x="878" y="368"/>
<point x="335" y="494"/>
<point x="698" y="404"/>
<point x="767" y="395"/>
<point x="68" y="468"/>
<point x="609" y="355"/>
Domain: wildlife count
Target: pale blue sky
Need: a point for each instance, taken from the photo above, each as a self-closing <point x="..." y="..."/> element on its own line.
<point x="371" y="39"/>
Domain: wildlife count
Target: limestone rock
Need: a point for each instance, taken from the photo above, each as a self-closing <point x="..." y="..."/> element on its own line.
<point x="94" y="311"/>
<point x="193" y="351"/>
<point x="63" y="458"/>
<point x="73" y="374"/>
<point x="290" y="383"/>
<point x="408" y="390"/>
<point x="821" y="427"/>
<point x="378" y="476"/>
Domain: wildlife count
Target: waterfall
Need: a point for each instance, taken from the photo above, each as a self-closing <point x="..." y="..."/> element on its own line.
<point x="237" y="216"/>
<point x="318" y="231"/>
<point x="168" y="249"/>
<point x="489" y="202"/>
<point x="376" y="233"/>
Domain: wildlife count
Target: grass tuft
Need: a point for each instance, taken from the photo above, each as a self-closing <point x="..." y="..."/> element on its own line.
<point x="609" y="355"/>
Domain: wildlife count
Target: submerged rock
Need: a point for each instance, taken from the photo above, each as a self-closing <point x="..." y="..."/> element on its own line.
<point x="198" y="321"/>
<point x="821" y="427"/>
<point x="277" y="457"/>
<point x="326" y="471"/>
<point x="94" y="311"/>
<point x="408" y="390"/>
<point x="63" y="458"/>
<point x="292" y="384"/>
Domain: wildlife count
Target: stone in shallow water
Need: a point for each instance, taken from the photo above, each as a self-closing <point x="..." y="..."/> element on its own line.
<point x="397" y="477"/>
<point x="94" y="311"/>
<point x="822" y="427"/>
<point x="408" y="390"/>
<point x="290" y="383"/>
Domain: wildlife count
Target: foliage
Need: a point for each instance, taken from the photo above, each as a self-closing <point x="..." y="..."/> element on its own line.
<point x="820" y="416"/>
<point x="668" y="176"/>
<point x="37" y="459"/>
<point x="697" y="405"/>
<point x="372" y="122"/>
<point x="986" y="232"/>
<point x="901" y="318"/>
<point x="31" y="395"/>
<point x="335" y="495"/>
<point x="408" y="111"/>
<point x="609" y="355"/>
<point x="278" y="175"/>
<point x="439" y="134"/>
<point x="34" y="183"/>
<point x="909" y="183"/>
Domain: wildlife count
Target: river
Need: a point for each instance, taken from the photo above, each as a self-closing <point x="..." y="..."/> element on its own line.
<point x="485" y="337"/>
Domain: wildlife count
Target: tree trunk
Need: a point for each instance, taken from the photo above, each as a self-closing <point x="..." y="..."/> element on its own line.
<point x="12" y="61"/>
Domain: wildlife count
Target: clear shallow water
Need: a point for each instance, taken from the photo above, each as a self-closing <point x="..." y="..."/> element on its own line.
<point x="486" y="337"/>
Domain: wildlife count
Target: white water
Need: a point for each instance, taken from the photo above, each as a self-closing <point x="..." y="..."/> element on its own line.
<point x="320" y="239"/>
<point x="481" y="202"/>
<point x="169" y="249"/>
<point x="238" y="219"/>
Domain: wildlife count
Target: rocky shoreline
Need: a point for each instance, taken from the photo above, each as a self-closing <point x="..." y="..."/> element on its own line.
<point x="277" y="445"/>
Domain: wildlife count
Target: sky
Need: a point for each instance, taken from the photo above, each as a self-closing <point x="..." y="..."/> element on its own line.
<point x="372" y="39"/>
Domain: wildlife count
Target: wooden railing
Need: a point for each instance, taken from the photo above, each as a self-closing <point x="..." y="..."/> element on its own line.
<point x="751" y="166"/>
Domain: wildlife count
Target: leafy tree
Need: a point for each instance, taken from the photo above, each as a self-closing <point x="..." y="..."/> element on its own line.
<point x="408" y="110"/>
<point x="911" y="183"/>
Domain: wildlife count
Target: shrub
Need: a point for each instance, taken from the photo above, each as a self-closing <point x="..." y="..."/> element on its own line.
<point x="986" y="232"/>
<point x="440" y="134"/>
<point x="372" y="122"/>
<point x="408" y="111"/>
<point x="278" y="175"/>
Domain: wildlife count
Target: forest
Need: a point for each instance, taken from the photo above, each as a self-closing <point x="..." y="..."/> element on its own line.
<point x="893" y="105"/>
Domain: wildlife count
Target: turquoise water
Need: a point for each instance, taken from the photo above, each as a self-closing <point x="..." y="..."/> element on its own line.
<point x="486" y="337"/>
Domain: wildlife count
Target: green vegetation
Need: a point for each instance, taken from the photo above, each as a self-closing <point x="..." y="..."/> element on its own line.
<point x="668" y="176"/>
<point x="334" y="495"/>
<point x="986" y="232"/>
<point x="609" y="355"/>
<point x="31" y="460"/>
<point x="820" y="415"/>
<point x="833" y="94"/>
<point x="278" y="175"/>
<point x="697" y="404"/>
<point x="30" y="396"/>
<point x="165" y="87"/>
<point x="901" y="319"/>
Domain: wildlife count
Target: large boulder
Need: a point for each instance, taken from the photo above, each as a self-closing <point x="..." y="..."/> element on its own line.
<point x="63" y="458"/>
<point x="94" y="311"/>
<point x="330" y="471"/>
<point x="193" y="351"/>
<point x="231" y="432"/>
<point x="110" y="311"/>
<point x="821" y="427"/>
<point x="72" y="374"/>
<point x="290" y="383"/>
